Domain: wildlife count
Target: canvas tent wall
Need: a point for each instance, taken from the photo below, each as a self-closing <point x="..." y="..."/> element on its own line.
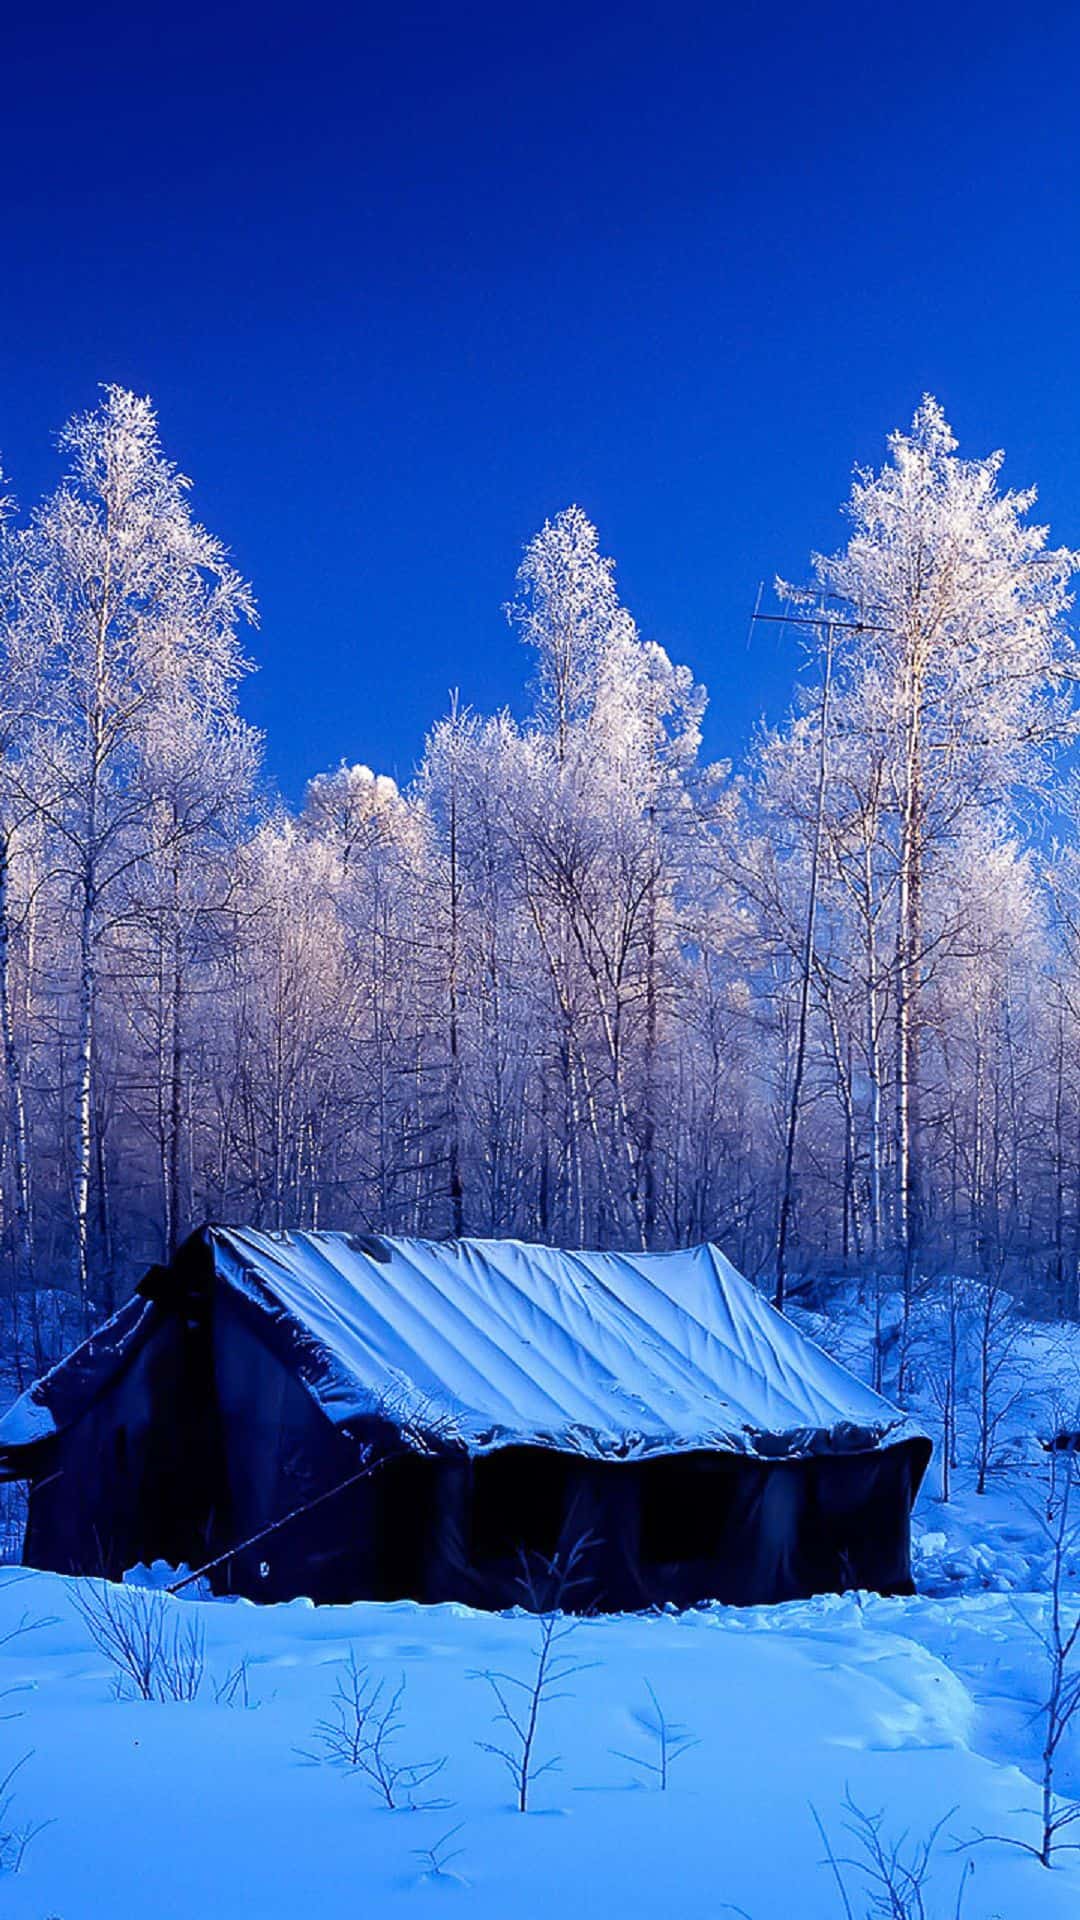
<point x="491" y="1396"/>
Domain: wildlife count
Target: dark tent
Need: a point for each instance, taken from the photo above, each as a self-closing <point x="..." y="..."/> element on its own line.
<point x="352" y="1417"/>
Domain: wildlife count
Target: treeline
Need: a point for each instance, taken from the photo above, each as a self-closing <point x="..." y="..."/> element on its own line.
<point x="573" y="984"/>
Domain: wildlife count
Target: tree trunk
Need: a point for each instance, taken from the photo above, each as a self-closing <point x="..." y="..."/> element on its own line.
<point x="84" y="1068"/>
<point x="804" y="989"/>
<point x="457" y="1194"/>
<point x="88" y="932"/>
<point x="909" y="958"/>
<point x="652" y="1021"/>
<point x="24" y="1218"/>
<point x="176" y="1091"/>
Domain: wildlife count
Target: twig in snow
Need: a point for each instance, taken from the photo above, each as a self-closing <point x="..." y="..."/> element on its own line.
<point x="437" y="1862"/>
<point x="15" y="1840"/>
<point x="671" y="1740"/>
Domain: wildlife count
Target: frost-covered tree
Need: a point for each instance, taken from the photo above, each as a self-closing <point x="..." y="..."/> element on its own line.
<point x="567" y="608"/>
<point x="200" y="769"/>
<point x="959" y="670"/>
<point x="560" y="985"/>
<point x="135" y="610"/>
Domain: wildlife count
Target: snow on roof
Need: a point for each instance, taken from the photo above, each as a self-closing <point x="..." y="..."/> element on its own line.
<point x="26" y="1423"/>
<point x="493" y="1342"/>
<point x="52" y="1402"/>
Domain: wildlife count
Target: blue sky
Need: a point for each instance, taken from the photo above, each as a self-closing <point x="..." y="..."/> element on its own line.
<point x="404" y="281"/>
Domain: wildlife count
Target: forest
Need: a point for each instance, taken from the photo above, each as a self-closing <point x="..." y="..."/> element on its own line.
<point x="572" y="984"/>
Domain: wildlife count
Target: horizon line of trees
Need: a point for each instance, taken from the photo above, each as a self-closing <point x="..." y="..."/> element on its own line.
<point x="572" y="984"/>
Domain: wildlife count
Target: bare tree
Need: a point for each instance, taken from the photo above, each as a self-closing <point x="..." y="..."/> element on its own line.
<point x="1059" y="1636"/>
<point x="545" y="1585"/>
<point x="361" y="1734"/>
<point x="808" y="963"/>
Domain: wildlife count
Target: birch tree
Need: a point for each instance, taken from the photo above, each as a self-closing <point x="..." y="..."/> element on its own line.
<point x="136" y="609"/>
<point x="569" y="983"/>
<point x="968" y="659"/>
<point x="20" y="675"/>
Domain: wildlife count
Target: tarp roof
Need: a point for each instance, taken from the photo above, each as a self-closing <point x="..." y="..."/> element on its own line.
<point x="487" y="1343"/>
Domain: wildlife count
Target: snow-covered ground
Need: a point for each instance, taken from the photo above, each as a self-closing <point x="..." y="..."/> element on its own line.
<point x="919" y="1707"/>
<point x="925" y="1709"/>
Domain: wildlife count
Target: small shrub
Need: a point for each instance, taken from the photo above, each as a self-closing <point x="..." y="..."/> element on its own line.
<point x="158" y="1649"/>
<point x="891" y="1875"/>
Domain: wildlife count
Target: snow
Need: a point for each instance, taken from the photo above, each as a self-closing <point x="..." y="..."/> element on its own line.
<point x="60" y="1394"/>
<point x="602" y="1353"/>
<point x="27" y="1422"/>
<point x="918" y="1707"/>
<point x="995" y="1544"/>
<point x="925" y="1708"/>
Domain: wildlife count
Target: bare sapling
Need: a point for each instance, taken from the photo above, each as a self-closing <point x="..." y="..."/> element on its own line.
<point x="341" y="1739"/>
<point x="941" y="1386"/>
<point x="1058" y="1634"/>
<point x="1060" y="1639"/>
<point x="361" y="1734"/>
<point x="234" y="1690"/>
<point x="885" y="1878"/>
<point x="943" y="1374"/>
<point x="546" y="1587"/>
<point x="158" y="1649"/>
<point x="997" y="1333"/>
<point x="668" y="1739"/>
<point x="15" y="1836"/>
<point x="395" y="1782"/>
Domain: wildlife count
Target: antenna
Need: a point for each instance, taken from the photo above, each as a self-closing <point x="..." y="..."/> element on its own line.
<point x="756" y="615"/>
<point x="815" y="620"/>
